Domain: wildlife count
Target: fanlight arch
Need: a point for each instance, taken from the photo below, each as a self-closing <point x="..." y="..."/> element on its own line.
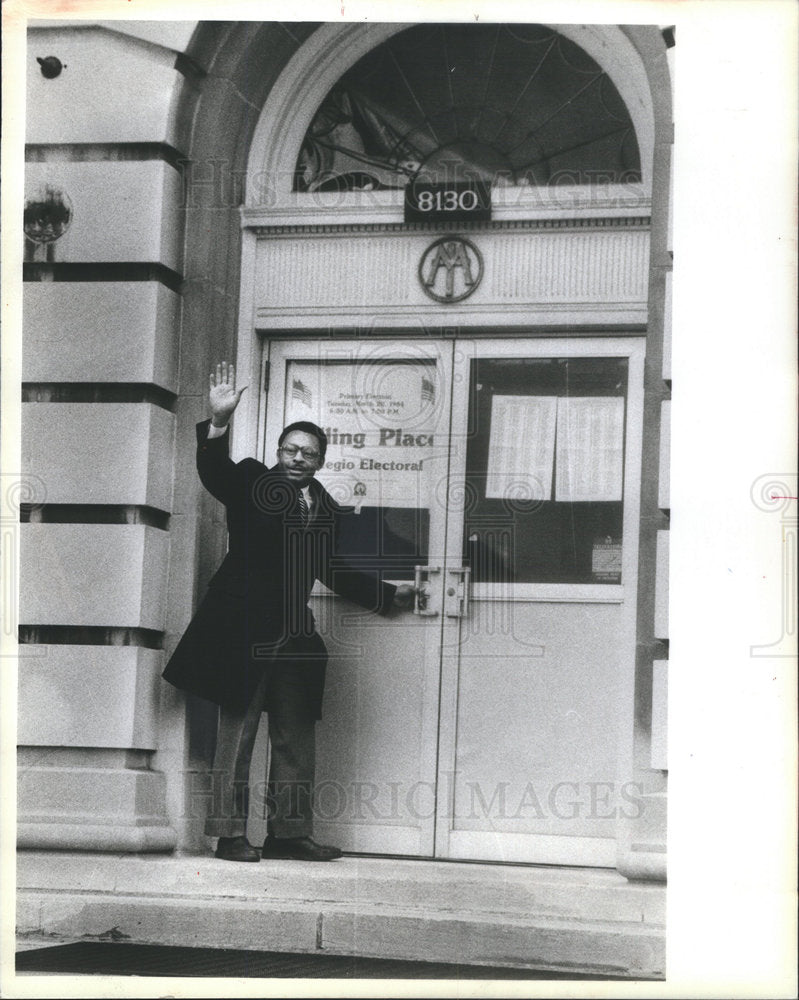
<point x="506" y="104"/>
<point x="371" y="106"/>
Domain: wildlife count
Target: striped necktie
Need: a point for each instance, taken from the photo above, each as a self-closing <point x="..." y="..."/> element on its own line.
<point x="303" y="508"/>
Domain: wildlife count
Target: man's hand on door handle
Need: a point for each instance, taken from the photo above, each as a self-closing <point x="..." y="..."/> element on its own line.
<point x="403" y="598"/>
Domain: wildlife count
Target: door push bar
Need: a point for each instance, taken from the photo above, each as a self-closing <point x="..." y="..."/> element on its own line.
<point x="458" y="592"/>
<point x="457" y="596"/>
<point x="422" y="595"/>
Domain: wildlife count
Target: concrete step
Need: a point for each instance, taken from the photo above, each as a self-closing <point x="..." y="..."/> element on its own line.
<point x="556" y="919"/>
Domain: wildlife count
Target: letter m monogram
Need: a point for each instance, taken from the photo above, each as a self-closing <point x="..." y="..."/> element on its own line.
<point x="450" y="255"/>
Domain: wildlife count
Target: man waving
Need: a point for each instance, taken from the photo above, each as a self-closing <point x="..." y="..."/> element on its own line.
<point x="252" y="646"/>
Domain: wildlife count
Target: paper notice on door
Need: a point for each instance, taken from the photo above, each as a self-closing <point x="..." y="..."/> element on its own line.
<point x="521" y="447"/>
<point x="590" y="450"/>
<point x="385" y="423"/>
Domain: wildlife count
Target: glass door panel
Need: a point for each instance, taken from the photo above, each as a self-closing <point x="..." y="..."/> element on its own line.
<point x="543" y="514"/>
<point x="544" y="470"/>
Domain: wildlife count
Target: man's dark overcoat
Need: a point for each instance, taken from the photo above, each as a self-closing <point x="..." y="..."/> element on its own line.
<point x="255" y="615"/>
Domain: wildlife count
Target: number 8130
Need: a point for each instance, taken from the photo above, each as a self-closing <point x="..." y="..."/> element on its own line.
<point x="448" y="201"/>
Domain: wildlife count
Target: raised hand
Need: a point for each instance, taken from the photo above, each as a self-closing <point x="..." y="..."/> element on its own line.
<point x="223" y="396"/>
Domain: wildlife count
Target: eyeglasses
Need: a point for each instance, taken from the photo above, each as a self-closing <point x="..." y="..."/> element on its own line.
<point x="290" y="450"/>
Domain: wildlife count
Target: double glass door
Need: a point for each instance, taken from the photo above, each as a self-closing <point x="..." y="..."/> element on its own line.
<point x="502" y="477"/>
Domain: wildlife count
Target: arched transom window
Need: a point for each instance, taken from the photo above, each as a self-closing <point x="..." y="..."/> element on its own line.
<point x="511" y="104"/>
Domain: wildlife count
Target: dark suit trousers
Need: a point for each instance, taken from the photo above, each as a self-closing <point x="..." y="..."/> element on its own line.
<point x="292" y="761"/>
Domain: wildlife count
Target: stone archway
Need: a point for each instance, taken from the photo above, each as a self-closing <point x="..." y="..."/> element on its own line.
<point x="248" y="108"/>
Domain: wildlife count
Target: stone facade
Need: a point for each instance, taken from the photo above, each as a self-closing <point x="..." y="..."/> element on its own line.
<point x="124" y="314"/>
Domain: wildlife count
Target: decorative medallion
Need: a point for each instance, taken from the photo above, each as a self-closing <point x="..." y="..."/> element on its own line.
<point x="451" y="269"/>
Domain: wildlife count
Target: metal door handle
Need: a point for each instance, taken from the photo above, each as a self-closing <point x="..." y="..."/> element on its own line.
<point x="457" y="601"/>
<point x="422" y="595"/>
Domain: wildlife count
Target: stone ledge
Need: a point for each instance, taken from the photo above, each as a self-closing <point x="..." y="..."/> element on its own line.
<point x="340" y="929"/>
<point x="90" y="837"/>
<point x="574" y="920"/>
<point x="556" y="893"/>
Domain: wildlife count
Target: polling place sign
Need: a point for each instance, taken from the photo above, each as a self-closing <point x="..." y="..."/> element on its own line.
<point x="385" y="426"/>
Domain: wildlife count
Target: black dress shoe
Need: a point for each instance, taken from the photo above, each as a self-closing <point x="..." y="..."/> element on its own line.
<point x="298" y="849"/>
<point x="236" y="849"/>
